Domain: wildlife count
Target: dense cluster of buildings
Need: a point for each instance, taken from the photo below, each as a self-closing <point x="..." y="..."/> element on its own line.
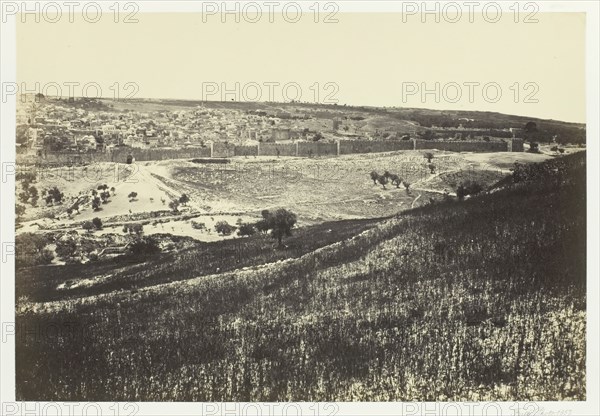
<point x="52" y="125"/>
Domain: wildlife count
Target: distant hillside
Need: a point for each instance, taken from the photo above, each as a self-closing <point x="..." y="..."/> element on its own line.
<point x="402" y="120"/>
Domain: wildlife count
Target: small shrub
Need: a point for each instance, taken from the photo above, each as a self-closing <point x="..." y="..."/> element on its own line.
<point x="246" y="229"/>
<point x="224" y="228"/>
<point x="97" y="222"/>
<point x="143" y="247"/>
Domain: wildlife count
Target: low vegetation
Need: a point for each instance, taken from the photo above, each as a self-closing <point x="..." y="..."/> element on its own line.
<point x="482" y="299"/>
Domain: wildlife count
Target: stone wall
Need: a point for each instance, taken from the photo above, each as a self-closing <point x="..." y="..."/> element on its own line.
<point x="120" y="155"/>
<point x="246" y="151"/>
<point x="372" y="146"/>
<point x="303" y="149"/>
<point x="317" y="149"/>
<point x="270" y="149"/>
<point x="462" y="146"/>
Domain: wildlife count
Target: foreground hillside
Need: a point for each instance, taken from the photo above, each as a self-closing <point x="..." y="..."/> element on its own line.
<point x="482" y="299"/>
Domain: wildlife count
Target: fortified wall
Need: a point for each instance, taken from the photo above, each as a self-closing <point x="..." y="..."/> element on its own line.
<point x="301" y="149"/>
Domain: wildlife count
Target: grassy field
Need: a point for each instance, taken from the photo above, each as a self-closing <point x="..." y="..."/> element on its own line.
<point x="482" y="299"/>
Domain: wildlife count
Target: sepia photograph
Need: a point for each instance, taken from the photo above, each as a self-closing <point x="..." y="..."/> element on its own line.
<point x="308" y="208"/>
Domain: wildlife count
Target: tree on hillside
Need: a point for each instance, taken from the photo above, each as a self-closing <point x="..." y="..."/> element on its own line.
<point x="393" y="178"/>
<point x="184" y="199"/>
<point x="105" y="195"/>
<point x="374" y="176"/>
<point x="132" y="196"/>
<point x="88" y="226"/>
<point x="406" y="186"/>
<point x="137" y="229"/>
<point x="24" y="197"/>
<point x="97" y="222"/>
<point x="174" y="205"/>
<point x="246" y="229"/>
<point x="530" y="127"/>
<point x="19" y="211"/>
<point x="468" y="188"/>
<point x="280" y="223"/>
<point x="262" y="225"/>
<point x="431" y="167"/>
<point x="112" y="189"/>
<point x="96" y="204"/>
<point x="428" y="156"/>
<point x="383" y="180"/>
<point x="33" y="195"/>
<point x="224" y="228"/>
<point x="143" y="247"/>
<point x="534" y="147"/>
<point x="56" y="194"/>
<point x="66" y="249"/>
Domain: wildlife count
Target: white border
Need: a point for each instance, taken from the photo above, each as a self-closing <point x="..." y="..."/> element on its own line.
<point x="590" y="407"/>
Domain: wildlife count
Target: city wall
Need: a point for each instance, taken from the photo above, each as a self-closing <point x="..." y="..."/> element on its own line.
<point x="302" y="149"/>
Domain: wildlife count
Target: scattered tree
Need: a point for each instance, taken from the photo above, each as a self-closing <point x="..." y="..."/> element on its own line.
<point x="374" y="177"/>
<point x="280" y="223"/>
<point x="96" y="204"/>
<point x="24" y="197"/>
<point x="224" y="228"/>
<point x="468" y="188"/>
<point x="174" y="205"/>
<point x="198" y="226"/>
<point x="530" y="127"/>
<point x="428" y="156"/>
<point x="19" y="211"/>
<point x="66" y="249"/>
<point x="88" y="226"/>
<point x="534" y="147"/>
<point x="33" y="195"/>
<point x="246" y="229"/>
<point x="184" y="199"/>
<point x="383" y="180"/>
<point x="132" y="196"/>
<point x="393" y="178"/>
<point x="97" y="223"/>
<point x="56" y="195"/>
<point x="143" y="247"/>
<point x="46" y="256"/>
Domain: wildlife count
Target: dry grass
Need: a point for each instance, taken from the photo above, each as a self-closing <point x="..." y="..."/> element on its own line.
<point x="478" y="300"/>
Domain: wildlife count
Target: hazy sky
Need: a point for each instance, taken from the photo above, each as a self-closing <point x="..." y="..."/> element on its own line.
<point x="373" y="59"/>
